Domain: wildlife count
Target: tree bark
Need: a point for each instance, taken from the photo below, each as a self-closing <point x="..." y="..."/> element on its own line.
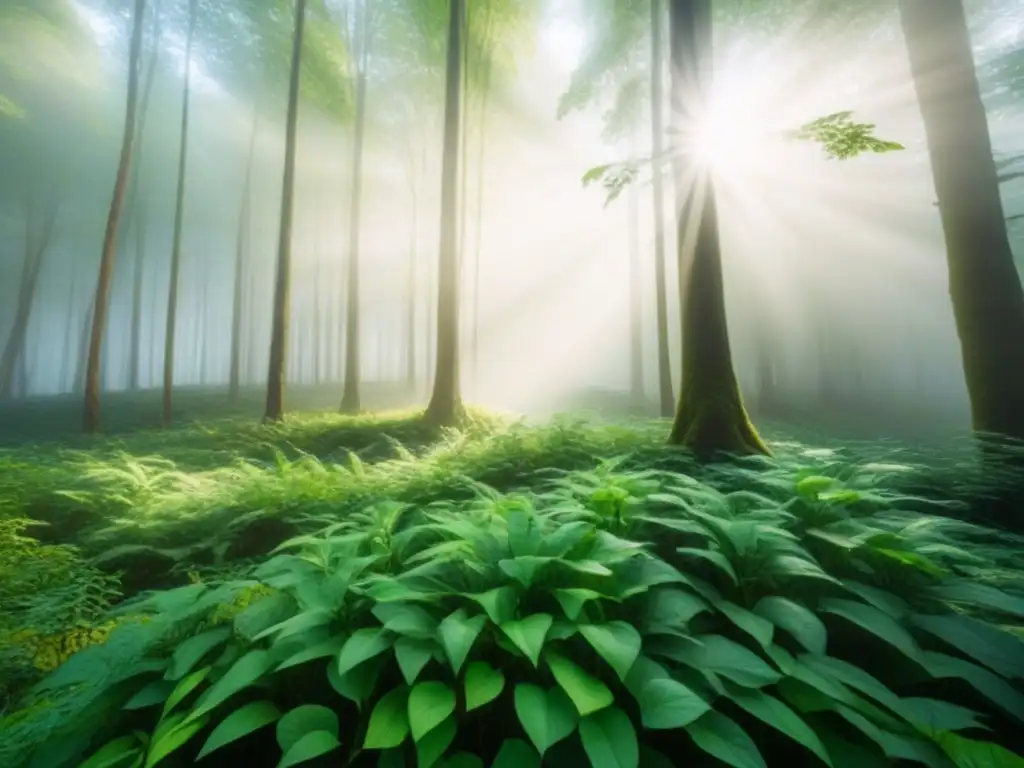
<point x="710" y="417"/>
<point x="91" y="410"/>
<point x="350" y="394"/>
<point x="445" y="407"/>
<point x="665" y="400"/>
<point x="282" y="284"/>
<point x="985" y="289"/>
<point x="179" y="208"/>
<point x="241" y="254"/>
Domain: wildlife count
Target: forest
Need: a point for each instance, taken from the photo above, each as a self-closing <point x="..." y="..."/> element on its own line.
<point x="511" y="383"/>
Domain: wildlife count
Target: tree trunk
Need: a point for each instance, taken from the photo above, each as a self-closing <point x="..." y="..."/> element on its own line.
<point x="282" y="283"/>
<point x="445" y="407"/>
<point x="179" y="206"/>
<point x="474" y="346"/>
<point x="241" y="253"/>
<point x="82" y="366"/>
<point x="36" y="246"/>
<point x="710" y="417"/>
<point x="636" y="333"/>
<point x="66" y="371"/>
<point x="665" y="400"/>
<point x="985" y="289"/>
<point x="350" y="394"/>
<point x="135" y="351"/>
<point x="91" y="410"/>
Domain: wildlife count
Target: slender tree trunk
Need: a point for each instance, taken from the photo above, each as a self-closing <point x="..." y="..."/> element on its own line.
<point x="91" y="411"/>
<point x="445" y="407"/>
<point x="179" y="208"/>
<point x="282" y="282"/>
<point x="665" y="399"/>
<point x="36" y="245"/>
<point x="82" y="366"/>
<point x="135" y="352"/>
<point x="985" y="289"/>
<point x="241" y="256"/>
<point x="636" y="332"/>
<point x="711" y="417"/>
<point x="350" y="394"/>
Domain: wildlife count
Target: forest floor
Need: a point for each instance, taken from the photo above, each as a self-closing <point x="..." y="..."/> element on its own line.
<point x="874" y="551"/>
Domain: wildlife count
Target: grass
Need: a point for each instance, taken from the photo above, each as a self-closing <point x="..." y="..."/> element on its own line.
<point x="148" y="541"/>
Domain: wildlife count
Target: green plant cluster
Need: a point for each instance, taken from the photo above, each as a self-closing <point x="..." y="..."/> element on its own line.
<point x="611" y="618"/>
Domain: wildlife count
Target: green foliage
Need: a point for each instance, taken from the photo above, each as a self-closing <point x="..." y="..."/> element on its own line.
<point x="842" y="138"/>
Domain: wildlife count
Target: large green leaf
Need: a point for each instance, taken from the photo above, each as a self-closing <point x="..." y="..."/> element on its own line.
<point x="389" y="721"/>
<point x="458" y="632"/>
<point x="546" y="716"/>
<point x="483" y="683"/>
<point x="587" y="692"/>
<point x="776" y="714"/>
<point x="721" y="737"/>
<point x="499" y="604"/>
<point x="759" y="628"/>
<point x="243" y="673"/>
<point x="243" y="721"/>
<point x="609" y="739"/>
<point x="363" y="644"/>
<point x="968" y="753"/>
<point x="430" y="704"/>
<point x="192" y="650"/>
<point x="528" y="634"/>
<point x="310" y="746"/>
<point x="667" y="703"/>
<point x="433" y="745"/>
<point x="878" y="623"/>
<point x="412" y="656"/>
<point x="730" y="660"/>
<point x="797" y="620"/>
<point x="999" y="651"/>
<point x="516" y="753"/>
<point x="304" y="719"/>
<point x="617" y="642"/>
<point x="168" y="741"/>
<point x="406" y="619"/>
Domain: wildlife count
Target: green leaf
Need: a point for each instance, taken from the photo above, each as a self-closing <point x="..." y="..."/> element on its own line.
<point x="968" y="753"/>
<point x="458" y="632"/>
<point x="588" y="693"/>
<point x="243" y="673"/>
<point x="115" y="753"/>
<point x="412" y="656"/>
<point x="302" y="720"/>
<point x="811" y="486"/>
<point x="358" y="683"/>
<point x="184" y="687"/>
<point x="524" y="535"/>
<point x="666" y="703"/>
<point x="999" y="651"/>
<point x="877" y="622"/>
<point x="573" y="599"/>
<point x="617" y="642"/>
<point x="714" y="557"/>
<point x="987" y="683"/>
<point x="524" y="569"/>
<point x="756" y="626"/>
<point x="364" y="644"/>
<point x="463" y="760"/>
<point x="776" y="714"/>
<point x="730" y="660"/>
<point x="499" y="604"/>
<point x="932" y="715"/>
<point x="192" y="650"/>
<point x="430" y="704"/>
<point x="806" y="628"/>
<point x="516" y="753"/>
<point x="243" y="721"/>
<point x="153" y="693"/>
<point x="300" y="622"/>
<point x="528" y="634"/>
<point x="670" y="609"/>
<point x="609" y="739"/>
<point x="326" y="647"/>
<point x="547" y="717"/>
<point x="406" y="619"/>
<point x="720" y="737"/>
<point x="310" y="746"/>
<point x="483" y="683"/>
<point x="961" y="591"/>
<point x="389" y="722"/>
<point x="173" y="739"/>
<point x="431" y="747"/>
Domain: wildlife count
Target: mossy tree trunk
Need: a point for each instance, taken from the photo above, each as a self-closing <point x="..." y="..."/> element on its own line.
<point x="710" y="417"/>
<point x="350" y="394"/>
<point x="666" y="403"/>
<point x="274" y="410"/>
<point x="985" y="289"/>
<point x="101" y="301"/>
<point x="445" y="407"/>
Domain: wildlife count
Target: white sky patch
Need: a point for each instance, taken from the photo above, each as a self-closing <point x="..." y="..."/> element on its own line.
<point x="563" y="41"/>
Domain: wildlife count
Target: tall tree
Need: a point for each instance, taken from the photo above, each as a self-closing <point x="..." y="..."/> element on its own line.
<point x="282" y="280"/>
<point x="179" y="210"/>
<point x="350" y="395"/>
<point x="445" y="407"/>
<point x="985" y="289"/>
<point x="710" y="416"/>
<point x="91" y="414"/>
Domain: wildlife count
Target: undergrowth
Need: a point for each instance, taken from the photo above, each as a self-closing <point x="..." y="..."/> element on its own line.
<point x="360" y="592"/>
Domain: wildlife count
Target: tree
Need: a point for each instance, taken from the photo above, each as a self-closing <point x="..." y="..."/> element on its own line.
<point x="710" y="416"/>
<point x="179" y="210"/>
<point x="282" y="282"/>
<point x="445" y="407"/>
<point x="91" y="415"/>
<point x="985" y="289"/>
